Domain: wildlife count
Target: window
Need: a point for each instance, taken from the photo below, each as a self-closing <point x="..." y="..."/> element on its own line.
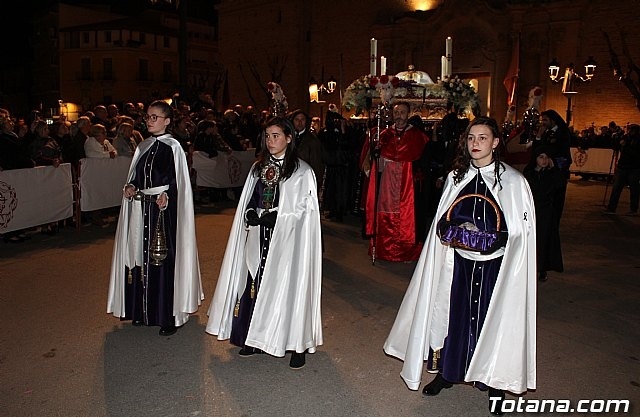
<point x="85" y="37"/>
<point x="107" y="69"/>
<point x="166" y="72"/>
<point x="143" y="70"/>
<point x="166" y="41"/>
<point x="107" y="36"/>
<point x="72" y="40"/>
<point x="85" y="69"/>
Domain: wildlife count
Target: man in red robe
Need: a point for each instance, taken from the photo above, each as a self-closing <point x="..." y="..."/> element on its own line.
<point x="390" y="212"/>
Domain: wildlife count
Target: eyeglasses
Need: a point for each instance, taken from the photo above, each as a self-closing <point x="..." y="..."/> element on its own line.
<point x="152" y="117"/>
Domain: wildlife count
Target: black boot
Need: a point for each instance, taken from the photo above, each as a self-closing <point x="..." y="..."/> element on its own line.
<point x="495" y="405"/>
<point x="434" y="387"/>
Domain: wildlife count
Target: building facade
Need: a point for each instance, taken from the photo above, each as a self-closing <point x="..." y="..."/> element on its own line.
<point x="89" y="56"/>
<point x="290" y="42"/>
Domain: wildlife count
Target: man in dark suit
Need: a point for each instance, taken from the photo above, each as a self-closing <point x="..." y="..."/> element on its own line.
<point x="308" y="145"/>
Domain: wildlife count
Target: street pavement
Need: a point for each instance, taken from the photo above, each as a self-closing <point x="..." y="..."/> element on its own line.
<point x="61" y="354"/>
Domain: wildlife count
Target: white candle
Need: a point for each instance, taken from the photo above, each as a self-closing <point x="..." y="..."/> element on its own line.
<point x="449" y="54"/>
<point x="383" y="65"/>
<point x="443" y="67"/>
<point x="374" y="57"/>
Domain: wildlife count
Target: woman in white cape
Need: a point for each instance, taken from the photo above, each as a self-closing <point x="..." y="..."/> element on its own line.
<point x="471" y="314"/>
<point x="267" y="298"/>
<point x="141" y="289"/>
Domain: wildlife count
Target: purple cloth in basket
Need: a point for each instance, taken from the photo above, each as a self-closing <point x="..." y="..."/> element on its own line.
<point x="480" y="241"/>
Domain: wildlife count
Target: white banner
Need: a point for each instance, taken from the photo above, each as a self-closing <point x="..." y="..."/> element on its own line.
<point x="222" y="171"/>
<point x="101" y="182"/>
<point x="35" y="196"/>
<point x="592" y="161"/>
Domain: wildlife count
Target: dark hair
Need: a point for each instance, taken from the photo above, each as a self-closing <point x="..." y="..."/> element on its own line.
<point x="205" y="124"/>
<point x="290" y="163"/>
<point x="557" y="119"/>
<point x="164" y="107"/>
<point x="293" y="114"/>
<point x="417" y="121"/>
<point x="462" y="161"/>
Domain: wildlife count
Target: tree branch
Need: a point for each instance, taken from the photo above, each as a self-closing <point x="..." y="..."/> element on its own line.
<point x="246" y="84"/>
<point x="631" y="78"/>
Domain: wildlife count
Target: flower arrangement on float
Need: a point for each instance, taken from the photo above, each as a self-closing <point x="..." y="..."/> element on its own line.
<point x="361" y="92"/>
<point x="460" y="93"/>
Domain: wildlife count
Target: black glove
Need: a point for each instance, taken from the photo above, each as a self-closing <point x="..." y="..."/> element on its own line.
<point x="376" y="153"/>
<point x="269" y="219"/>
<point x="443" y="226"/>
<point x="251" y="217"/>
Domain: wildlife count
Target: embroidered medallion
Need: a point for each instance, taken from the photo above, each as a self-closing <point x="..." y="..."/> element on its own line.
<point x="270" y="175"/>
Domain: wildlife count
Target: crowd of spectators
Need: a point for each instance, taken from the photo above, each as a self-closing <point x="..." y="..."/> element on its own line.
<point x="108" y="131"/>
<point x="605" y="137"/>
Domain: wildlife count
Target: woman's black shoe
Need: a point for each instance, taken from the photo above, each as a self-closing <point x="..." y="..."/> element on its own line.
<point x="167" y="330"/>
<point x="297" y="360"/>
<point x="542" y="276"/>
<point x="248" y="351"/>
<point x="434" y="387"/>
<point x="496" y="398"/>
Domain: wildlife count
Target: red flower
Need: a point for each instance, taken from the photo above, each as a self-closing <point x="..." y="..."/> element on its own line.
<point x="271" y="86"/>
<point x="537" y="92"/>
<point x="384" y="79"/>
<point x="395" y="82"/>
<point x="373" y="81"/>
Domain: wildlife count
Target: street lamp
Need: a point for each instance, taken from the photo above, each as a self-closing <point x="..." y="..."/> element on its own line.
<point x="570" y="79"/>
<point x="315" y="91"/>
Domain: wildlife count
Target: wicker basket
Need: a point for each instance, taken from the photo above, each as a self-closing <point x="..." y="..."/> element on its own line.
<point x="463" y="237"/>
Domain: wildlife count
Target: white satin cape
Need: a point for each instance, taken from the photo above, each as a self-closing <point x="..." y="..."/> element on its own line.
<point x="287" y="311"/>
<point x="187" y="287"/>
<point x="505" y="356"/>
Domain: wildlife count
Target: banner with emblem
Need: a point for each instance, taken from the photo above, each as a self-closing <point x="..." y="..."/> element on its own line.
<point x="101" y="181"/>
<point x="35" y="196"/>
<point x="592" y="161"/>
<point x="224" y="170"/>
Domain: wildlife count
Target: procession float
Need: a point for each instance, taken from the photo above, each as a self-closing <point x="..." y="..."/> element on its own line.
<point x="428" y="99"/>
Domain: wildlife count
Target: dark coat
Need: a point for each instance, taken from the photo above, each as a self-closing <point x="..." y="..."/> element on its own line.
<point x="544" y="185"/>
